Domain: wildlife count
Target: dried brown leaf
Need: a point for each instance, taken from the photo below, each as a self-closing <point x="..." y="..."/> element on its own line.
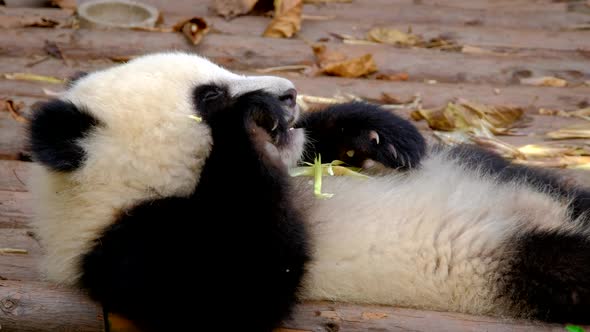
<point x="395" y="77"/>
<point x="583" y="113"/>
<point x="325" y="56"/>
<point x="122" y="58"/>
<point x="356" y="67"/>
<point x="287" y="19"/>
<point x="336" y="63"/>
<point x="65" y="4"/>
<point x="388" y="98"/>
<point x="14" y="109"/>
<point x="373" y="315"/>
<point x="464" y="114"/>
<point x="577" y="131"/>
<point x="544" y="81"/>
<point x="194" y="29"/>
<point x="393" y="37"/>
<point x="232" y="8"/>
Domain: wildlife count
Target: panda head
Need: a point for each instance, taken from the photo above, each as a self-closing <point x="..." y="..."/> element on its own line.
<point x="123" y="135"/>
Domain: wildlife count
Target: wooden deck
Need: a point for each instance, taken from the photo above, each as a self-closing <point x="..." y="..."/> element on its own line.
<point x="513" y="39"/>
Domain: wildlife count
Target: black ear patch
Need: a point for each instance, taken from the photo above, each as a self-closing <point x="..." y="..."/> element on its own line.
<point x="54" y="132"/>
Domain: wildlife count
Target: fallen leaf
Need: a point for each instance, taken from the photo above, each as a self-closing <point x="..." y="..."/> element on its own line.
<point x="308" y="103"/>
<point x="373" y="315"/>
<point x="464" y="114"/>
<point x="583" y="113"/>
<point x="287" y="19"/>
<point x="193" y="28"/>
<point x="388" y="98"/>
<point x="65" y="4"/>
<point x="544" y="81"/>
<point x="393" y="37"/>
<point x="325" y="56"/>
<point x="14" y="110"/>
<point x="577" y="131"/>
<point x="356" y="67"/>
<point x="122" y="58"/>
<point x="545" y="150"/>
<point x="395" y="77"/>
<point x="335" y="63"/>
<point x="232" y="8"/>
<point x="32" y="77"/>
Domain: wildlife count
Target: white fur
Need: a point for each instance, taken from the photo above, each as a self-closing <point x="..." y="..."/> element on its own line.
<point x="146" y="147"/>
<point x="432" y="238"/>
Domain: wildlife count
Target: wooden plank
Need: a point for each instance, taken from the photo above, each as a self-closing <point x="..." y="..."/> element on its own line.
<point x="23" y="17"/>
<point x="32" y="307"/>
<point x="319" y="316"/>
<point x="241" y="52"/>
<point x="537" y="40"/>
<point x="540" y="43"/>
<point x="433" y="95"/>
<point x="13" y="175"/>
<point x="36" y="306"/>
<point x="568" y="98"/>
<point x="431" y="12"/>
<point x="12" y="134"/>
<point x="19" y="266"/>
<point x="15" y="209"/>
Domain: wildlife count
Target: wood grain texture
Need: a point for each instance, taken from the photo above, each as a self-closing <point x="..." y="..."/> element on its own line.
<point x="247" y="52"/>
<point x="32" y="307"/>
<point x="35" y="306"/>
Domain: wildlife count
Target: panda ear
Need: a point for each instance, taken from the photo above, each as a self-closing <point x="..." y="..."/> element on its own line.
<point x="54" y="133"/>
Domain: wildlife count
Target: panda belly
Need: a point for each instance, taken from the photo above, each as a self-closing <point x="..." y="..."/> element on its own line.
<point x="439" y="237"/>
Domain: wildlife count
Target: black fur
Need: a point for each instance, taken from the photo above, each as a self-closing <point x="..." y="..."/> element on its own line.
<point x="54" y="132"/>
<point x="334" y="131"/>
<point x="230" y="255"/>
<point x="541" y="179"/>
<point x="548" y="274"/>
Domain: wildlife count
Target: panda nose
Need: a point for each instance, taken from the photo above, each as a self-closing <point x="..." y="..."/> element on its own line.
<point x="289" y="98"/>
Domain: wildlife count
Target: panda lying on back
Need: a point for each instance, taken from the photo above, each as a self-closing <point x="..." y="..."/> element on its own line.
<point x="132" y="195"/>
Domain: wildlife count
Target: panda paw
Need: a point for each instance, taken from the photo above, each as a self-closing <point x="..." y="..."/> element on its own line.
<point x="363" y="135"/>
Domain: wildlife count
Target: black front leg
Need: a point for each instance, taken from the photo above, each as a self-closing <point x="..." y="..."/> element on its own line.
<point x="361" y="134"/>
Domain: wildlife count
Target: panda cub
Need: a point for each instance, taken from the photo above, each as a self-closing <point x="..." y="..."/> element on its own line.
<point x="132" y="195"/>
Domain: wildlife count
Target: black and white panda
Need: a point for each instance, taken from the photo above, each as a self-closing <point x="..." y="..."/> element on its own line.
<point x="132" y="196"/>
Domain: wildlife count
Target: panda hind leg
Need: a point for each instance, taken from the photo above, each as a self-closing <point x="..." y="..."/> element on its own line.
<point x="549" y="274"/>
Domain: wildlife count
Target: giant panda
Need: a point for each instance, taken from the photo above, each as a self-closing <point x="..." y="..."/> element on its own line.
<point x="141" y="205"/>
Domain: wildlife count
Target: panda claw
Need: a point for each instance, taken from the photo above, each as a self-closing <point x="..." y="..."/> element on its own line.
<point x="374" y="136"/>
<point x="393" y="150"/>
